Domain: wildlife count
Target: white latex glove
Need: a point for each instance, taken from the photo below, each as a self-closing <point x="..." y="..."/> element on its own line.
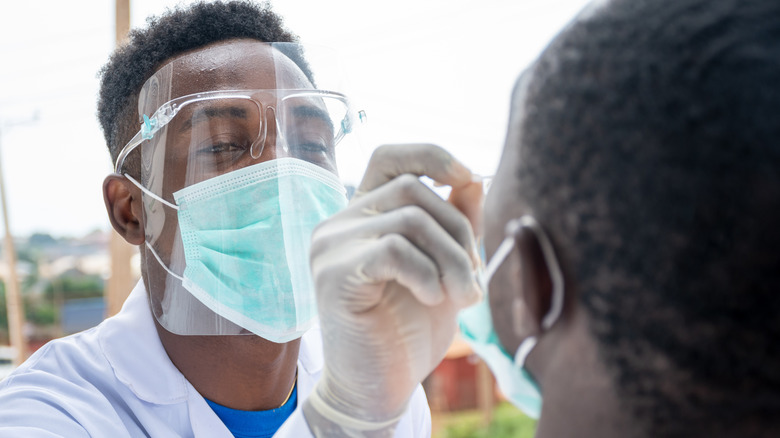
<point x="391" y="272"/>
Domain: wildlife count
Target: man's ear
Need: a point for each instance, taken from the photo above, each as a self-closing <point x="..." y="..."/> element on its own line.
<point x="519" y="314"/>
<point x="124" y="207"/>
<point x="536" y="284"/>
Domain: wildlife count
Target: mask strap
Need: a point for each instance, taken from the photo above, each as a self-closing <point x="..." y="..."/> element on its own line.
<point x="485" y="274"/>
<point x="498" y="258"/>
<point x="148" y="246"/>
<point x="159" y="260"/>
<point x="524" y="350"/>
<point x="149" y="193"/>
<point x="556" y="276"/>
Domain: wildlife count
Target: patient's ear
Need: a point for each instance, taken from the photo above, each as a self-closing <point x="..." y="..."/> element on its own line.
<point x="124" y="207"/>
<point x="521" y="295"/>
<point x="537" y="288"/>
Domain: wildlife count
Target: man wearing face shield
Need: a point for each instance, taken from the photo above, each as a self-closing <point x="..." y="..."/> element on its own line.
<point x="230" y="143"/>
<point x="631" y="227"/>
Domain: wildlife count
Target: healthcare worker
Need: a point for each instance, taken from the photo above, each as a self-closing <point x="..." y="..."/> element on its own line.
<point x="631" y="228"/>
<point x="231" y="142"/>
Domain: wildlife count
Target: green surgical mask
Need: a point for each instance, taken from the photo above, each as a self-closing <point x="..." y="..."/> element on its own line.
<point x="517" y="385"/>
<point x="251" y="265"/>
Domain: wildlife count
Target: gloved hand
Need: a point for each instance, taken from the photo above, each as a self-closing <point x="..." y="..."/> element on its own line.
<point x="391" y="272"/>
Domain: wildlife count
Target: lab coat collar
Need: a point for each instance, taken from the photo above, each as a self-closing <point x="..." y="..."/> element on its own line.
<point x="133" y="348"/>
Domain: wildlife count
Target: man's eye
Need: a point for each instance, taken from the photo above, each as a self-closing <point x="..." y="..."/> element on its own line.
<point x="313" y="151"/>
<point x="311" y="147"/>
<point x="223" y="146"/>
<point x="319" y="153"/>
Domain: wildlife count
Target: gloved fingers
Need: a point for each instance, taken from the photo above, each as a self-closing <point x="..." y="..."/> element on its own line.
<point x="390" y="258"/>
<point x="395" y="258"/>
<point x="408" y="190"/>
<point x="452" y="263"/>
<point x="361" y="269"/>
<point x="390" y="161"/>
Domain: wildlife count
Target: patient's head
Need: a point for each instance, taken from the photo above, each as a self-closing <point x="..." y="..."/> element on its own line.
<point x="646" y="141"/>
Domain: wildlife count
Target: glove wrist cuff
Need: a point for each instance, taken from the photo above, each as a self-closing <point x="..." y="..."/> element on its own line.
<point x="345" y="420"/>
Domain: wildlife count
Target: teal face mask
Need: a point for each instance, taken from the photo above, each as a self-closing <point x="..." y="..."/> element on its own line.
<point x="246" y="236"/>
<point x="476" y="326"/>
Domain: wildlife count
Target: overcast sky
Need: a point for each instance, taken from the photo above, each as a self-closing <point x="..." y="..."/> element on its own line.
<point x="436" y="71"/>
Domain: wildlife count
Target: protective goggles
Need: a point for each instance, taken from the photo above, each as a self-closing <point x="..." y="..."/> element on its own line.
<point x="223" y="125"/>
<point x="216" y="132"/>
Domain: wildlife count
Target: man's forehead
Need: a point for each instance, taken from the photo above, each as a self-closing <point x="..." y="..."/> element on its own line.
<point x="225" y="65"/>
<point x="234" y="64"/>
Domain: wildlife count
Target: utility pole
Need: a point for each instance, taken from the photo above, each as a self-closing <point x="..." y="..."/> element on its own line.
<point x="122" y="20"/>
<point x="121" y="281"/>
<point x="13" y="296"/>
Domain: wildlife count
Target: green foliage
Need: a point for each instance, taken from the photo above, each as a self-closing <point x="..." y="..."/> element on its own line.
<point x="43" y="311"/>
<point x="40" y="313"/>
<point x="37" y="240"/>
<point x="28" y="254"/>
<point x="507" y="422"/>
<point x="89" y="286"/>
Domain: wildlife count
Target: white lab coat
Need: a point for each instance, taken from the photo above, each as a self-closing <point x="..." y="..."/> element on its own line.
<point x="115" y="380"/>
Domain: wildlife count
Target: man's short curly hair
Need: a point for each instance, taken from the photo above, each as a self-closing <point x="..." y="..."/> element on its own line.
<point x="175" y="32"/>
<point x="651" y="153"/>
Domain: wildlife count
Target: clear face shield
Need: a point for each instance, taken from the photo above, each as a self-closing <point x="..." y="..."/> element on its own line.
<point x="244" y="148"/>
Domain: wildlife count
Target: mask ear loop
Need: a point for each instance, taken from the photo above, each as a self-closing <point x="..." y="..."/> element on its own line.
<point x="149" y="192"/>
<point x="148" y="246"/>
<point x="556" y="277"/>
<point x="486" y="273"/>
<point x="159" y="260"/>
<point x="498" y="258"/>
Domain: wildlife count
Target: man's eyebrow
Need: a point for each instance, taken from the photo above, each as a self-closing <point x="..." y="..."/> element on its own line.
<point x="313" y="112"/>
<point x="213" y="112"/>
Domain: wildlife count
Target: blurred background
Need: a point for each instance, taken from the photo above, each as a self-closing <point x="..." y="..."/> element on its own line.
<point x="438" y="71"/>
